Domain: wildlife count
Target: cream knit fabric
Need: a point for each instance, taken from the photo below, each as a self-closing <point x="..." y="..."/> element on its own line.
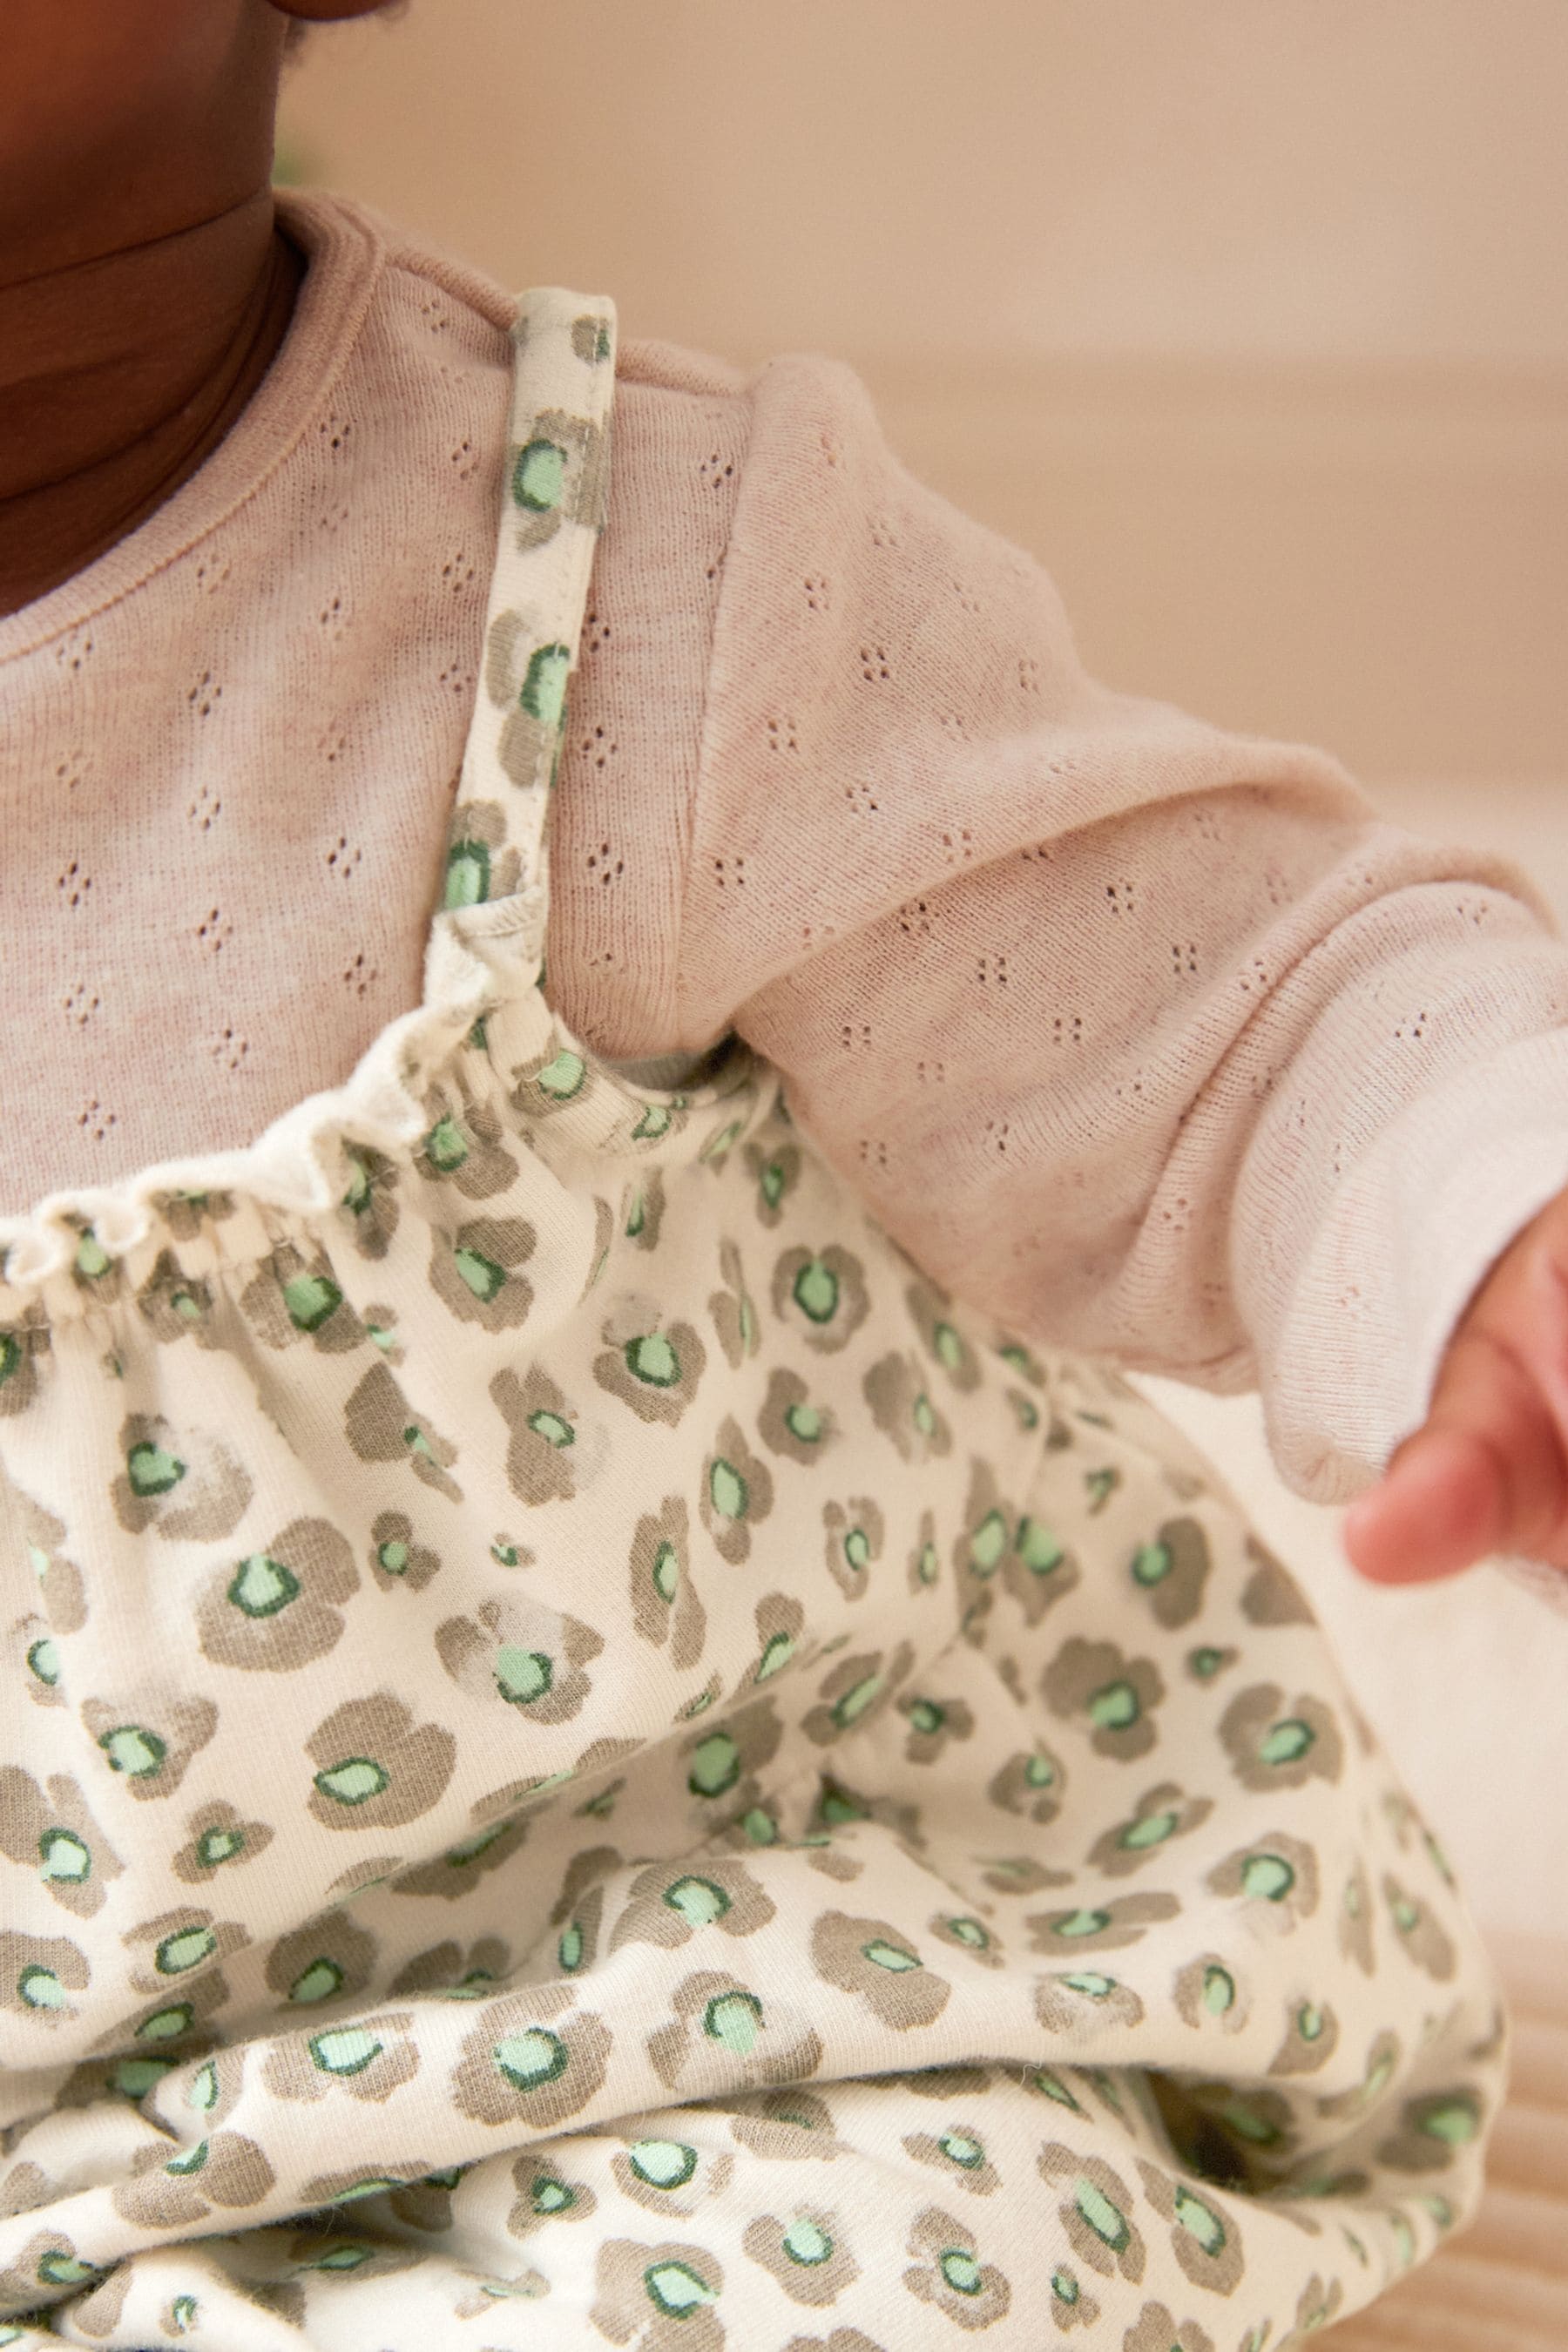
<point x="1146" y="1037"/>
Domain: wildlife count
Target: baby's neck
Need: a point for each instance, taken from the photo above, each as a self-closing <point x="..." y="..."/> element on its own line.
<point x="119" y="375"/>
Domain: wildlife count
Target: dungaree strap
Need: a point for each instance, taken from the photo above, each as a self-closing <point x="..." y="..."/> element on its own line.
<point x="554" y="502"/>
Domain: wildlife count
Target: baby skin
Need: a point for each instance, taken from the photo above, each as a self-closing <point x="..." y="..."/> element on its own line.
<point x="144" y="291"/>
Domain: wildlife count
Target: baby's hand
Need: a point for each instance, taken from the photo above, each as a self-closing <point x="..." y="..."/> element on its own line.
<point x="1489" y="1470"/>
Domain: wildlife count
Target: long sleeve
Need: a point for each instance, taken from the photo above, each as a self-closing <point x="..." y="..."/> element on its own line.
<point x="1149" y="1039"/>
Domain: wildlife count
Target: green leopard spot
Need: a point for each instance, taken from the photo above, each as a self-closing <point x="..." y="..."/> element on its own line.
<point x="1268" y="1877"/>
<point x="570" y="1949"/>
<point x="1116" y="1707"/>
<point x="134" y="2077"/>
<point x="57" y="2268"/>
<point x="523" y="1675"/>
<point x="349" y="2051"/>
<point x="1255" y="2129"/>
<point x="544" y="693"/>
<point x="1091" y="1984"/>
<point x="1039" y="1772"/>
<point x="728" y="1491"/>
<point x="153" y="1470"/>
<point x="858" y="1549"/>
<point x="1287" y="1742"/>
<point x="43" y="1660"/>
<point x="341" y="2258"/>
<point x="770" y="1183"/>
<point x="1200" y="2221"/>
<point x="137" y="1753"/>
<point x="203" y="2092"/>
<point x="1152" y="1829"/>
<point x="539" y="476"/>
<point x="92" y="1258"/>
<point x="562" y="1077"/>
<point x="928" y="1567"/>
<point x="65" y="1857"/>
<point x="637" y="1215"/>
<point x="760" y="1826"/>
<point x="654" y="1360"/>
<point x="816" y="1291"/>
<point x="185" y="1949"/>
<point x="1152" y="1563"/>
<point x="988" y="1544"/>
<point x="533" y="2058"/>
<point x="446" y="1146"/>
<point x="961" y="2270"/>
<point x="167" y="2024"/>
<point x="1037" y="1547"/>
<point x="393" y="1557"/>
<point x="697" y="1900"/>
<point x="667" y="1572"/>
<point x="804" y="1422"/>
<point x="215" y="1846"/>
<point x="925" y="1716"/>
<point x="481" y="1275"/>
<point x="948" y="1344"/>
<point x="41" y="1988"/>
<point x="320" y="1981"/>
<point x="310" y="1298"/>
<point x="1108" y="2221"/>
<point x="467" y="873"/>
<point x="1064" y="2287"/>
<point x="457" y="1857"/>
<point x="718" y="1145"/>
<point x="891" y="1957"/>
<point x="663" y="2163"/>
<point x="182" y="2167"/>
<point x="186" y="1306"/>
<point x="715" y="1765"/>
<point x="923" y="1414"/>
<point x="551" y="2196"/>
<point x="1206" y="1662"/>
<point x="1310" y="2022"/>
<point x="262" y="1586"/>
<point x="554" y="1431"/>
<point x="735" y="2020"/>
<point x="353" y="1782"/>
<point x="1053" y="2086"/>
<point x="960" y="2149"/>
<point x="1083" y="1923"/>
<point x="780" y="1650"/>
<point x="1453" y="2121"/>
<point x="970" y="1932"/>
<point x="807" y="2244"/>
<point x="655" y="1122"/>
<point x="675" y="2289"/>
<point x="10" y="1357"/>
<point x="856" y="1700"/>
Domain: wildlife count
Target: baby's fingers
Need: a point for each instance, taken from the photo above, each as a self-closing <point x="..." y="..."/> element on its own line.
<point x="1485" y="1473"/>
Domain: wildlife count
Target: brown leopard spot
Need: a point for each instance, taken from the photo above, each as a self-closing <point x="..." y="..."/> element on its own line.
<point x="879" y="1965"/>
<point x="376" y="1768"/>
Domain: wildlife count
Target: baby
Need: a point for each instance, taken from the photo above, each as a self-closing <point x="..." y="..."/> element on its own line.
<point x="604" y="1741"/>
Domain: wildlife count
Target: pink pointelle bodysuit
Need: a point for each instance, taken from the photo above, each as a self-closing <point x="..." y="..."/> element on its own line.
<point x="1148" y="1037"/>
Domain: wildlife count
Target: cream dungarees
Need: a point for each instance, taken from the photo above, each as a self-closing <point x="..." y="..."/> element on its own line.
<point x="586" y="1760"/>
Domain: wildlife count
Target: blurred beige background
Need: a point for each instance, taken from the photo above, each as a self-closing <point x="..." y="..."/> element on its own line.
<point x="1249" y="317"/>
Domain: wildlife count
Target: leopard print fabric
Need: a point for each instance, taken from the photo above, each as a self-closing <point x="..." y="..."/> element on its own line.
<point x="586" y="1760"/>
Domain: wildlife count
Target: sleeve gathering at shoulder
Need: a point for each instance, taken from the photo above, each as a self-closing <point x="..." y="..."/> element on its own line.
<point x="1149" y="1039"/>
